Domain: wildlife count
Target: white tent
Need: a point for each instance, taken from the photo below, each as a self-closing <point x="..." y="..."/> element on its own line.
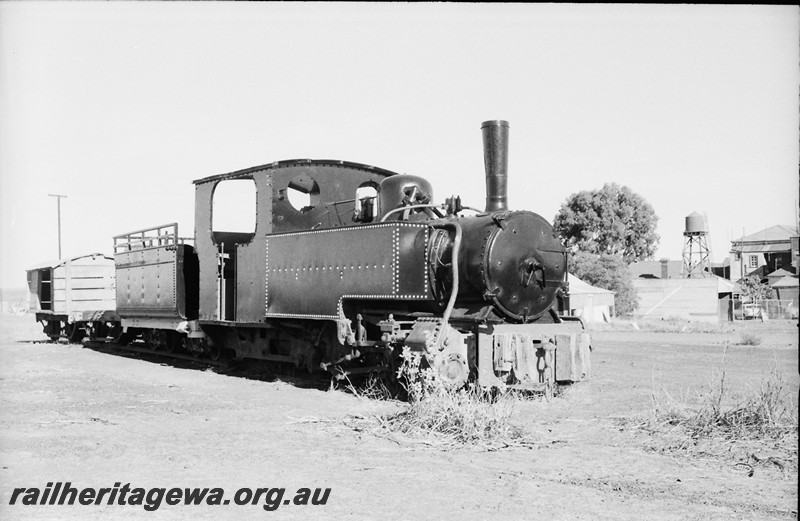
<point x="591" y="303"/>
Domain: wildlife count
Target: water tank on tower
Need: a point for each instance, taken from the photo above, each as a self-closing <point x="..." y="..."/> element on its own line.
<point x="696" y="251"/>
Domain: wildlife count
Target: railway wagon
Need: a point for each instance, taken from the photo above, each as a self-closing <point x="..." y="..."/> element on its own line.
<point x="74" y="298"/>
<point x="156" y="290"/>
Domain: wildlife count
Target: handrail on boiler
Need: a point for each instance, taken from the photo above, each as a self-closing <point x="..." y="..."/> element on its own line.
<point x="454" y="262"/>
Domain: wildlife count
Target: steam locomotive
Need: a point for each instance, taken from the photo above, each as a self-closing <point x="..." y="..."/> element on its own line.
<point x="366" y="268"/>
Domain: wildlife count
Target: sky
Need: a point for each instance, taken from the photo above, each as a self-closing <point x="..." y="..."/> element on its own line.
<point x="121" y="105"/>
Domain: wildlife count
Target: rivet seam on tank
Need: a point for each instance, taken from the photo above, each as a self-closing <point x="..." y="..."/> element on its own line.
<point x="266" y="271"/>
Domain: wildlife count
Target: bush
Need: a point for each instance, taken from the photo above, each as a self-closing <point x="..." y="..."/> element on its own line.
<point x="750" y="339"/>
<point x="754" y="289"/>
<point x="438" y="414"/>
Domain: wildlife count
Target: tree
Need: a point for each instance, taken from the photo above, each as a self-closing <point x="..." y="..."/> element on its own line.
<point x="754" y="289"/>
<point x="613" y="220"/>
<point x="608" y="272"/>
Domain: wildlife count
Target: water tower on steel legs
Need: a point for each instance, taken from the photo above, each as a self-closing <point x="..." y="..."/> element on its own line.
<point x="696" y="251"/>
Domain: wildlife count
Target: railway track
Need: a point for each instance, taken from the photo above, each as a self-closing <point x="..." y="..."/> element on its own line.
<point x="143" y="349"/>
<point x="261" y="370"/>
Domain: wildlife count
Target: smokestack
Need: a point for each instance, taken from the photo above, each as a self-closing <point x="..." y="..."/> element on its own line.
<point x="495" y="158"/>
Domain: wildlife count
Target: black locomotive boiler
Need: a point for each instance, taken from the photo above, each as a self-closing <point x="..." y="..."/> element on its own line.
<point x="365" y="268"/>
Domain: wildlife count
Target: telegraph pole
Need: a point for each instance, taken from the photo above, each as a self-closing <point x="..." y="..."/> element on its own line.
<point x="58" y="198"/>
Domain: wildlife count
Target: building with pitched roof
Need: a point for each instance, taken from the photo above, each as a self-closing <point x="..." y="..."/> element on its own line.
<point x="778" y="274"/>
<point x="665" y="292"/>
<point x="787" y="288"/>
<point x="591" y="303"/>
<point x="765" y="251"/>
<point x="702" y="299"/>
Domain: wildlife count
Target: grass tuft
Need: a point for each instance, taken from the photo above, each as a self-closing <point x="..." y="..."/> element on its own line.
<point x="446" y="417"/>
<point x="767" y="412"/>
<point x="748" y="338"/>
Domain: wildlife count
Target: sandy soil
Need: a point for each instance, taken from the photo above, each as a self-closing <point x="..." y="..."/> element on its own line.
<point x="94" y="419"/>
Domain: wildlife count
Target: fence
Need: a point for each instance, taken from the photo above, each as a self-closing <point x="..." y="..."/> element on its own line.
<point x="765" y="309"/>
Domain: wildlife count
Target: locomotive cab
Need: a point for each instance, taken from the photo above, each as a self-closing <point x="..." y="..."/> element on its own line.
<point x="291" y="196"/>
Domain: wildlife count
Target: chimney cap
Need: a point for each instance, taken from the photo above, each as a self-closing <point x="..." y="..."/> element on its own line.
<point x="495" y="123"/>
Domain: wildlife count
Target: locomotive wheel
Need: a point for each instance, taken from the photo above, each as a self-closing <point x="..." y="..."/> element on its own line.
<point x="160" y="339"/>
<point x="100" y="330"/>
<point x="314" y="358"/>
<point x="96" y="331"/>
<point x="124" y="338"/>
<point x="172" y="342"/>
<point x="214" y="351"/>
<point x="156" y="339"/>
<point x="74" y="333"/>
<point x="199" y="347"/>
<point x="115" y="332"/>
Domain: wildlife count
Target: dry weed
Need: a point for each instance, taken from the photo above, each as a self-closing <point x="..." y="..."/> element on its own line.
<point x="765" y="414"/>
<point x="444" y="417"/>
<point x="757" y="428"/>
<point x="372" y="388"/>
<point x="749" y="338"/>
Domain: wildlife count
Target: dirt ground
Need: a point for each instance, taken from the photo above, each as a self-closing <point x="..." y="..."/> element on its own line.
<point x="74" y="414"/>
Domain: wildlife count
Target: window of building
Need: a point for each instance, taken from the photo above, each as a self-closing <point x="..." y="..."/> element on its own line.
<point x="754" y="261"/>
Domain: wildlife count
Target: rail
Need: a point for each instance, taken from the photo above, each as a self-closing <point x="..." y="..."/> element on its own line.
<point x="154" y="237"/>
